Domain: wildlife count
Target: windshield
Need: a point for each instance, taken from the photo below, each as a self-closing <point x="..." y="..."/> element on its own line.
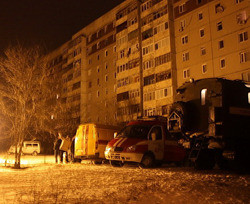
<point x="135" y="131"/>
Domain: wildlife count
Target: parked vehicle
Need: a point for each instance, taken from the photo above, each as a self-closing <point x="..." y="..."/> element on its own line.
<point x="90" y="141"/>
<point x="29" y="147"/>
<point x="214" y="116"/>
<point x="145" y="141"/>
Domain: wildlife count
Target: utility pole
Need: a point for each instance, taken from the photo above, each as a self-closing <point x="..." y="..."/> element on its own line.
<point x="140" y="55"/>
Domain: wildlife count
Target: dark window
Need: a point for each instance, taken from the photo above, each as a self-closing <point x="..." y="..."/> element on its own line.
<point x="219" y="26"/>
<point x="147" y="34"/>
<point x="123" y="96"/>
<point x="149" y="80"/>
<point x="156" y="132"/>
<point x="76" y="85"/>
<point x="221" y="44"/>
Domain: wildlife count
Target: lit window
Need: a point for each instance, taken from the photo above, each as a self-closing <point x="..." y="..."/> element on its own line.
<point x="243" y="36"/>
<point x="219" y="26"/>
<point x="243" y="57"/>
<point x="249" y="97"/>
<point x="203" y="96"/>
<point x="200" y="16"/>
<point x="202" y="32"/>
<point x="222" y="63"/>
<point x="204" y="68"/>
<point x="221" y="44"/>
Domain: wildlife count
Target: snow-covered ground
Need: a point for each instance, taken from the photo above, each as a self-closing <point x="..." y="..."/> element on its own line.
<point x="88" y="183"/>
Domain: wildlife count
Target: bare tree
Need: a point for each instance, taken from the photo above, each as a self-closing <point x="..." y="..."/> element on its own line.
<point x="24" y="93"/>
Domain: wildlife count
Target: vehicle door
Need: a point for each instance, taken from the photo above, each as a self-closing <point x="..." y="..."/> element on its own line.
<point x="156" y="142"/>
<point x="25" y="148"/>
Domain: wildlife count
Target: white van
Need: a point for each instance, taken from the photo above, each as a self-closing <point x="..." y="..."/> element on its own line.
<point x="29" y="147"/>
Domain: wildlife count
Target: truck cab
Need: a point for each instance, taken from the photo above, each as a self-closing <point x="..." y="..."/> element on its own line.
<point x="146" y="142"/>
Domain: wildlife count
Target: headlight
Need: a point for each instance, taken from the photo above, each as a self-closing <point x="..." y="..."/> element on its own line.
<point x="131" y="148"/>
<point x="107" y="149"/>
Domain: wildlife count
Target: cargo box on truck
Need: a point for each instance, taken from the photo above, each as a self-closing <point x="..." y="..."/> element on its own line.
<point x="91" y="140"/>
<point x="214" y="114"/>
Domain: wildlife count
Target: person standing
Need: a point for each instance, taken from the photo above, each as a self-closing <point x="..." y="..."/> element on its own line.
<point x="57" y="150"/>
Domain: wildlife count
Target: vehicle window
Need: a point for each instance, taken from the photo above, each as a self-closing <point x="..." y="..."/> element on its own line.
<point x="135" y="131"/>
<point x="28" y="145"/>
<point x="35" y="145"/>
<point x="157" y="131"/>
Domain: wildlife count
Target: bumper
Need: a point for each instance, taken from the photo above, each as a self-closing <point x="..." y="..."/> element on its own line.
<point x="125" y="157"/>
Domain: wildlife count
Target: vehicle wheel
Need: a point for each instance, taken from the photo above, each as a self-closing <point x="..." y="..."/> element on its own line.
<point x="116" y="163"/>
<point x="34" y="153"/>
<point x="147" y="161"/>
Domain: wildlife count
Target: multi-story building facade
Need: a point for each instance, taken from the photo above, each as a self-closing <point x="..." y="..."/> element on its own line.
<point x="156" y="59"/>
<point x="211" y="38"/>
<point x="107" y="65"/>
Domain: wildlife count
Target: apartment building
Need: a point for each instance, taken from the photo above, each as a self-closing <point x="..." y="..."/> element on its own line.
<point x="211" y="38"/>
<point x="99" y="102"/>
<point x="66" y="62"/>
<point x="181" y="40"/>
<point x="157" y="63"/>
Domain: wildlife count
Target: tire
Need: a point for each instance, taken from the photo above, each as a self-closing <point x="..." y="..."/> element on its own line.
<point x="148" y="161"/>
<point x="34" y="153"/>
<point x="116" y="163"/>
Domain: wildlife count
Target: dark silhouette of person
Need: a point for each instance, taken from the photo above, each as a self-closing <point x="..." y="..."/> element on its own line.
<point x="57" y="150"/>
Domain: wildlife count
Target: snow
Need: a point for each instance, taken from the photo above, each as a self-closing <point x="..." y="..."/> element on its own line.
<point x="88" y="183"/>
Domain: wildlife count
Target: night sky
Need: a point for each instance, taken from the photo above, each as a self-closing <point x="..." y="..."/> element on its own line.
<point x="47" y="22"/>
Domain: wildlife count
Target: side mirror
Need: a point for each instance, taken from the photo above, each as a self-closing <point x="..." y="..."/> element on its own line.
<point x="115" y="134"/>
<point x="153" y="136"/>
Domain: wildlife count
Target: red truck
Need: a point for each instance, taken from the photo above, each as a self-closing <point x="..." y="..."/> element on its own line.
<point x="146" y="142"/>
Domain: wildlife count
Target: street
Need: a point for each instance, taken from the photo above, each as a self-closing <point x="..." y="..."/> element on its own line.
<point x="37" y="182"/>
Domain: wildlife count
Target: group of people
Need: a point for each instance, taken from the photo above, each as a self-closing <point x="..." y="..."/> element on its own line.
<point x="59" y="151"/>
